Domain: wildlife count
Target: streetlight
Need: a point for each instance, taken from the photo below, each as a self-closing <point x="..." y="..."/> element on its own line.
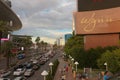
<point x="72" y="62"/>
<point x="44" y="73"/>
<point x="76" y="63"/>
<point x="51" y="64"/>
<point x="72" y="59"/>
<point x="106" y="66"/>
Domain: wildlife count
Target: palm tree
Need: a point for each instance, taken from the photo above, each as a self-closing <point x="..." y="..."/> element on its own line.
<point x="6" y="49"/>
<point x="4" y="29"/>
<point x="45" y="44"/>
<point x="38" y="42"/>
<point x="42" y="45"/>
<point x="28" y="43"/>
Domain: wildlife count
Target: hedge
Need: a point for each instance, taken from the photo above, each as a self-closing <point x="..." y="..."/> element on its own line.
<point x="54" y="69"/>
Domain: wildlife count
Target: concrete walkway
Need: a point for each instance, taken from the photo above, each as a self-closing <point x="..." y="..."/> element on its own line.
<point x="69" y="75"/>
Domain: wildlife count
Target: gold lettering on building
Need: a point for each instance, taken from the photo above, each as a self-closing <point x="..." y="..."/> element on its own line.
<point x="90" y="23"/>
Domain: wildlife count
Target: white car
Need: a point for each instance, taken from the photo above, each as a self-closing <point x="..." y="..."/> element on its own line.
<point x="5" y="73"/>
<point x="29" y="72"/>
<point x="20" y="78"/>
<point x="19" y="71"/>
<point x="35" y="61"/>
<point x="4" y="79"/>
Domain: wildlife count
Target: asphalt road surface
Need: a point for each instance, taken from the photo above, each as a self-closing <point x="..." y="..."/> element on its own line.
<point x="37" y="75"/>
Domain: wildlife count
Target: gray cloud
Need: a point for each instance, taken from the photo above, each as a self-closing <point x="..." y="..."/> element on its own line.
<point x="45" y="17"/>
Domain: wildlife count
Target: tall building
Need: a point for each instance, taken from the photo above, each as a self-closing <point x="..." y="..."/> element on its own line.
<point x="99" y="22"/>
<point x="67" y="36"/>
<point x="8" y="16"/>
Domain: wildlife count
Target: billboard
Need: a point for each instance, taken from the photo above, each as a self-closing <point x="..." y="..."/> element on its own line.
<point x="97" y="22"/>
<point x="88" y="5"/>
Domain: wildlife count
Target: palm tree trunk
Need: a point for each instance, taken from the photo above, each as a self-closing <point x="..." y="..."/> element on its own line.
<point x="7" y="60"/>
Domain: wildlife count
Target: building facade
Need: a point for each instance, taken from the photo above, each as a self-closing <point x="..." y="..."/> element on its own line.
<point x="67" y="36"/>
<point x="98" y="23"/>
<point x="8" y="19"/>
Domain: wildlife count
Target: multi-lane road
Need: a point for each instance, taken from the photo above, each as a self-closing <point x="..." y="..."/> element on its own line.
<point x="37" y="75"/>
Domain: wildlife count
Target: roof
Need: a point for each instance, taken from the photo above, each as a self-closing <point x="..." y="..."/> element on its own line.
<point x="6" y="14"/>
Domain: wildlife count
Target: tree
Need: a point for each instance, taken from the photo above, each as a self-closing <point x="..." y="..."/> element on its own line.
<point x="37" y="40"/>
<point x="4" y="29"/>
<point x="73" y="42"/>
<point x="112" y="58"/>
<point x="42" y="45"/>
<point x="6" y="49"/>
<point x="75" y="48"/>
<point x="45" y="45"/>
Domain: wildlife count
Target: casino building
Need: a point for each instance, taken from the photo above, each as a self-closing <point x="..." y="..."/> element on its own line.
<point x="8" y="16"/>
<point x="99" y="22"/>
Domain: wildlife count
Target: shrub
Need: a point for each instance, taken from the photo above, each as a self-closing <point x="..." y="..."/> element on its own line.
<point x="54" y="68"/>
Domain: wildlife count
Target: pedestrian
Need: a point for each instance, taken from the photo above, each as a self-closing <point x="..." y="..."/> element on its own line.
<point x="63" y="77"/>
<point x="66" y="68"/>
<point x="80" y="76"/>
<point x="63" y="70"/>
<point x="99" y="76"/>
<point x="64" y="65"/>
<point x="106" y="76"/>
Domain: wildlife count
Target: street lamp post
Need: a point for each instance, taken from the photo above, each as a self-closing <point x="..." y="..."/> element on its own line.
<point x="44" y="73"/>
<point x="72" y="62"/>
<point x="76" y="63"/>
<point x="51" y="64"/>
<point x="106" y="66"/>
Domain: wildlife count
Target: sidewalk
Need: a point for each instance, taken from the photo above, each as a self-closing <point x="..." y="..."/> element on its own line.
<point x="69" y="75"/>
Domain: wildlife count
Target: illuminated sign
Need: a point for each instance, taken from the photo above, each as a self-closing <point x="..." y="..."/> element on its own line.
<point x="99" y="21"/>
<point x="88" y="5"/>
<point x="5" y="37"/>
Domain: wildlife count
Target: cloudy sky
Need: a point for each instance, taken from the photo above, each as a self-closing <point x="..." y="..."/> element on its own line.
<point x="48" y="19"/>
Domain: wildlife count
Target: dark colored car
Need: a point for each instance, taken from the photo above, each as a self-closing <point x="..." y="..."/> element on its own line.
<point x="29" y="66"/>
<point x="36" y="67"/>
<point x="42" y="62"/>
<point x="21" y="56"/>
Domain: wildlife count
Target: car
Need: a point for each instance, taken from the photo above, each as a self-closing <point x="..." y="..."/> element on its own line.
<point x="21" y="56"/>
<point x="20" y="78"/>
<point x="29" y="66"/>
<point x="29" y="72"/>
<point x="5" y="79"/>
<point x="18" y="66"/>
<point x="36" y="67"/>
<point x="35" y="61"/>
<point x="19" y="71"/>
<point x="42" y="62"/>
<point x="5" y="73"/>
